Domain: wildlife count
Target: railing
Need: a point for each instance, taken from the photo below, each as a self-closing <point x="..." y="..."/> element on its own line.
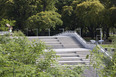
<point x="82" y="41"/>
<point x="78" y="37"/>
<point x="104" y="51"/>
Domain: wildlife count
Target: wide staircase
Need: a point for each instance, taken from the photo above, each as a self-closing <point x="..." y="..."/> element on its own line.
<point x="75" y="56"/>
<point x="69" y="49"/>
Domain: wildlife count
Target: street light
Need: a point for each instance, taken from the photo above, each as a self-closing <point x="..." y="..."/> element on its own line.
<point x="78" y="29"/>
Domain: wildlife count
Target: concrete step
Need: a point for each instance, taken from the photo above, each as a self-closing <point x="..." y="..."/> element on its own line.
<point x="68" y="55"/>
<point x="71" y="55"/>
<point x="74" y="62"/>
<point x="72" y="46"/>
<point x="71" y="50"/>
<point x="66" y="52"/>
<point x="84" y="53"/>
<point x="69" y="40"/>
<point x="85" y="59"/>
<point x="56" y="46"/>
<point x="52" y="44"/>
<point x="76" y="52"/>
<point x="49" y="43"/>
<point x="72" y="58"/>
<point x="49" y="40"/>
<point x="66" y="41"/>
<point x="69" y="58"/>
<point x="83" y="65"/>
<point x="47" y="37"/>
<point x="42" y="38"/>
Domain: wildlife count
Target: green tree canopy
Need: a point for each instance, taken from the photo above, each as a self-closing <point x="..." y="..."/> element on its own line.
<point x="44" y="20"/>
<point x="67" y="10"/>
<point x="4" y="8"/>
<point x="3" y="23"/>
<point x="22" y="9"/>
<point x="113" y="16"/>
<point x="49" y="5"/>
<point x="90" y="12"/>
<point x="70" y="20"/>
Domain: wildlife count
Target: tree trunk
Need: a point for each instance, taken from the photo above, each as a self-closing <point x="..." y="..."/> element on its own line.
<point x="44" y="5"/>
<point x="92" y="32"/>
<point x="107" y="33"/>
<point x="81" y="31"/>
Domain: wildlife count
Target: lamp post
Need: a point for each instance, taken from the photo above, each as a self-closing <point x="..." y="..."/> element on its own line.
<point x="78" y="29"/>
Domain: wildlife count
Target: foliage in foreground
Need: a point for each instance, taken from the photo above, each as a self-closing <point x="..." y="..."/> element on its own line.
<point x="105" y="66"/>
<point x="21" y="58"/>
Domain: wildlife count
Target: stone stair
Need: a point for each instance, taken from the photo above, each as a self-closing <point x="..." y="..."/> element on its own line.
<point x="56" y="42"/>
<point x="71" y="52"/>
<point x="73" y="56"/>
<point x="50" y="41"/>
<point x="69" y="42"/>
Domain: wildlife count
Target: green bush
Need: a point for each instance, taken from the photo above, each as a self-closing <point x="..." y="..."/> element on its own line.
<point x="106" y="67"/>
<point x="20" y="57"/>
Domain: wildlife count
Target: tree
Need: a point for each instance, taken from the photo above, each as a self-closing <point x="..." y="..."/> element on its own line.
<point x="49" y="5"/>
<point x="67" y="12"/>
<point x="3" y="23"/>
<point x="90" y="12"/>
<point x="70" y="20"/>
<point x="44" y="20"/>
<point x="4" y="8"/>
<point x="108" y="3"/>
<point x="21" y="10"/>
<point x="113" y="16"/>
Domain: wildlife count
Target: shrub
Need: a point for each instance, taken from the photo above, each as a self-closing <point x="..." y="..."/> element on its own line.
<point x="20" y="57"/>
